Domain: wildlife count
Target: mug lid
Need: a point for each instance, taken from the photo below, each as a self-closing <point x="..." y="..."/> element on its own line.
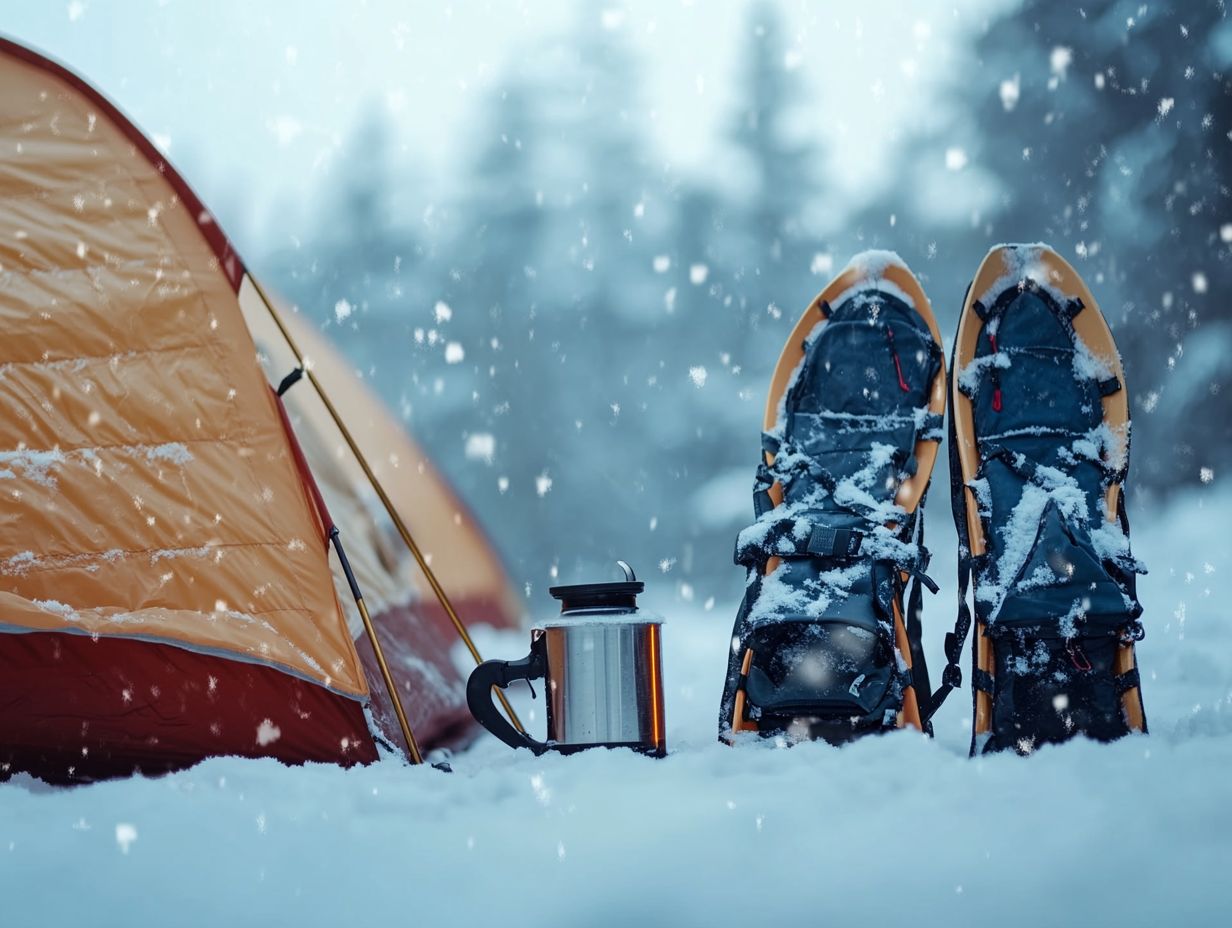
<point x="621" y="594"/>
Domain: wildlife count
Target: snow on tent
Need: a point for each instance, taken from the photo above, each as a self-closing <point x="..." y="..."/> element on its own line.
<point x="165" y="588"/>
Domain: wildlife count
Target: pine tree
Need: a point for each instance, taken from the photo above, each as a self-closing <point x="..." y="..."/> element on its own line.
<point x="1100" y="126"/>
<point x="780" y="169"/>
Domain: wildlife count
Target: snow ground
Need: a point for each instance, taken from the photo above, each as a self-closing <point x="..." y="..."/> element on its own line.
<point x="889" y="829"/>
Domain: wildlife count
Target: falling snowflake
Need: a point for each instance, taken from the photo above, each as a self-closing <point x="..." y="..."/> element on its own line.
<point x="480" y="446"/>
<point x="454" y="354"/>
<point x="542" y="793"/>
<point x="268" y="733"/>
<point x="698" y="375"/>
<point x="1060" y="60"/>
<point x="1010" y="90"/>
<point x="125" y="835"/>
<point x="343" y="310"/>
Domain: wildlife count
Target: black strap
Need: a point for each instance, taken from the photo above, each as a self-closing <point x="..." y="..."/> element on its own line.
<point x="982" y="680"/>
<point x="1130" y="577"/>
<point x="784" y="538"/>
<point x="1020" y="464"/>
<point x="824" y="308"/>
<point x="1109" y="385"/>
<point x="914" y="625"/>
<point x="1127" y="681"/>
<point x="762" y="482"/>
<point x="834" y="542"/>
<point x="951" y="675"/>
<point x="290" y="380"/>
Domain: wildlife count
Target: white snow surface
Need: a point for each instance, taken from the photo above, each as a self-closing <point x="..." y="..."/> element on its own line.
<point x="889" y="829"/>
<point x="1024" y="261"/>
<point x="173" y="452"/>
<point x="971" y="377"/>
<point x="874" y="262"/>
<point x="871" y="265"/>
<point x="35" y="465"/>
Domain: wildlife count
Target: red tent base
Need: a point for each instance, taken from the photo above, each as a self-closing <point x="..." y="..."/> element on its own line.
<point x="75" y="708"/>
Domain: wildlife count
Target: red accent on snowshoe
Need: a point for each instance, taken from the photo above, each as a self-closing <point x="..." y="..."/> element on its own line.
<point x="898" y="367"/>
<point x="1077" y="657"/>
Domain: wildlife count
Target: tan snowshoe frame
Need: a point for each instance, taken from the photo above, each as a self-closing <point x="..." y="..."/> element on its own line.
<point x="911" y="490"/>
<point x="1093" y="330"/>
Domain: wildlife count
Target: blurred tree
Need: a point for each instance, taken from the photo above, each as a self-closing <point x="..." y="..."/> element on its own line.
<point x="780" y="167"/>
<point x="363" y="217"/>
<point x="552" y="296"/>
<point x="1100" y="128"/>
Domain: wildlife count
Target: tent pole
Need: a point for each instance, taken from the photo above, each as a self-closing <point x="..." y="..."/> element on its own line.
<point x="409" y="541"/>
<point x="407" y="735"/>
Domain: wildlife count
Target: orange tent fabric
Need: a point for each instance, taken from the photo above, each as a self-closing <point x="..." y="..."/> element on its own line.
<point x="157" y="542"/>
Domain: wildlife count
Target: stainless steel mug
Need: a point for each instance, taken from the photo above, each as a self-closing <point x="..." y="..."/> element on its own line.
<point x="603" y="671"/>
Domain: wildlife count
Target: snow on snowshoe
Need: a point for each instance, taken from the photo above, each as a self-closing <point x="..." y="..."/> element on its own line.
<point x="822" y="646"/>
<point x="1039" y="451"/>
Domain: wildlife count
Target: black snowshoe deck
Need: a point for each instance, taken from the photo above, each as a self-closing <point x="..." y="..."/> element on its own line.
<point x="1039" y="449"/>
<point x="822" y="645"/>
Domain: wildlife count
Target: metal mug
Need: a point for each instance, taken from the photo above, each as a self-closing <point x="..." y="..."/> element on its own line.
<point x="602" y="666"/>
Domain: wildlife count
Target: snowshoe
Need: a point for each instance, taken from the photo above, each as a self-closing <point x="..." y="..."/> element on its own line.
<point x="1039" y="451"/>
<point x="822" y="646"/>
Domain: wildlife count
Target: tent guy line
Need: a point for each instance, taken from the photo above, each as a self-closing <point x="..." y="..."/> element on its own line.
<point x="441" y="596"/>
<point x="334" y="535"/>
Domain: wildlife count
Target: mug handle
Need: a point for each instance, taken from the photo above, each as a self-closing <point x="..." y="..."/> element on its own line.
<point x="502" y="673"/>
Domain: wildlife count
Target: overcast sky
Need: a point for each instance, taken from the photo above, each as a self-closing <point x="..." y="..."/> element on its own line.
<point x="251" y="99"/>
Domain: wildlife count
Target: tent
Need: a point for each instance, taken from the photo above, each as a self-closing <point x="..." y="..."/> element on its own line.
<point x="166" y="591"/>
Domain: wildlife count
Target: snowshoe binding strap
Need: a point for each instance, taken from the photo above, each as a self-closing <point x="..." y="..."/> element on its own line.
<point x="822" y="645"/>
<point x="1039" y="450"/>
